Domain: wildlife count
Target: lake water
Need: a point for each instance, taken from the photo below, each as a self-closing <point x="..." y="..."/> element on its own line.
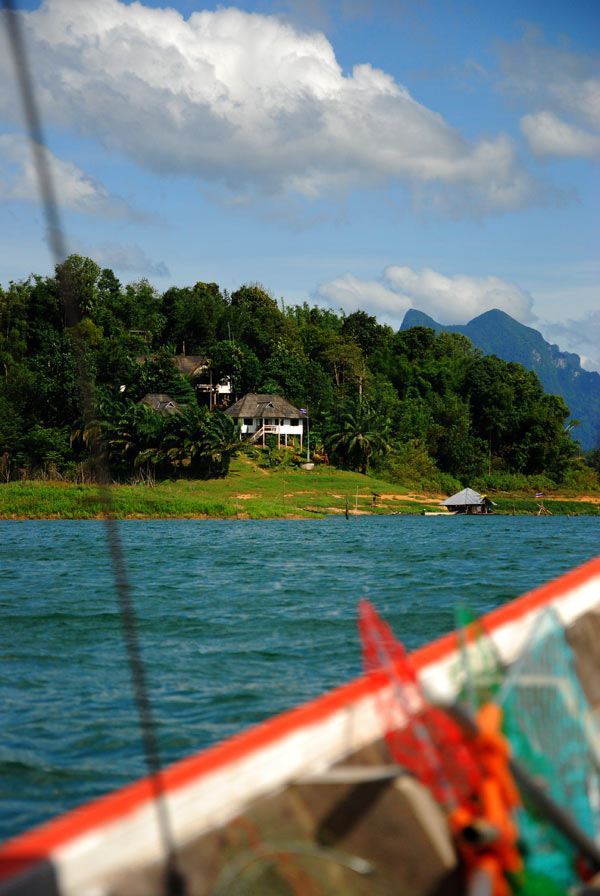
<point x="237" y="620"/>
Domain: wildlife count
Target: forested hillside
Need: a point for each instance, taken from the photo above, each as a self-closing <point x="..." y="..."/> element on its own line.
<point x="377" y="399"/>
<point x="560" y="373"/>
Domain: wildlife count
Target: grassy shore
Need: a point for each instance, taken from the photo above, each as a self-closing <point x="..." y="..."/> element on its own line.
<point x="249" y="492"/>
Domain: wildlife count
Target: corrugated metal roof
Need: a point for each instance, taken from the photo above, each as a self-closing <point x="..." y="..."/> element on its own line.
<point x="468" y="496"/>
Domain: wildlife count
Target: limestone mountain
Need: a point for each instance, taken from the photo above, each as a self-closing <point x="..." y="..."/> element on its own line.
<point x="560" y="373"/>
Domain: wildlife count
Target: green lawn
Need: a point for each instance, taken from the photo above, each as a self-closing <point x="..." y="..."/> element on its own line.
<point x="249" y="491"/>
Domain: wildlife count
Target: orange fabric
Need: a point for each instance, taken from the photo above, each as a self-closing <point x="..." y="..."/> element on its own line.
<point x="497" y="796"/>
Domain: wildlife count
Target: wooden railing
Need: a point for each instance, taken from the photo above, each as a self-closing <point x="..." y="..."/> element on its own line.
<point x="267" y="429"/>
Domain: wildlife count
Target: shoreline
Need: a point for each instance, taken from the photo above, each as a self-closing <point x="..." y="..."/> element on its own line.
<point x="253" y="492"/>
<point x="584" y="508"/>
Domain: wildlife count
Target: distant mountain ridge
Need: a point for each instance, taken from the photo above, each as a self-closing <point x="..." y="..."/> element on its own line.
<point x="560" y="373"/>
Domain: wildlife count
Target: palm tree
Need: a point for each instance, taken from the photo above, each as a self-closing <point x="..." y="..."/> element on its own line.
<point x="199" y="441"/>
<point x="135" y="438"/>
<point x="109" y="423"/>
<point x="354" y="434"/>
<point x="221" y="443"/>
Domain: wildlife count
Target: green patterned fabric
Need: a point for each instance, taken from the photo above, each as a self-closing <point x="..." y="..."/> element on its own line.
<point x="554" y="734"/>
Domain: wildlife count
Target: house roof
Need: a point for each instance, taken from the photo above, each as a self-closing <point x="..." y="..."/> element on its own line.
<point x="187" y="365"/>
<point x="467" y="497"/>
<point x="190" y="365"/>
<point x="261" y="405"/>
<point x="161" y="403"/>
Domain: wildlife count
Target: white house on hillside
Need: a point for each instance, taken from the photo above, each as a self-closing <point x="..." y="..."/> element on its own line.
<point x="259" y="415"/>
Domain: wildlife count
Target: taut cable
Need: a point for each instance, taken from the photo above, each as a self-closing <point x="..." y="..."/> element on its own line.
<point x="174" y="881"/>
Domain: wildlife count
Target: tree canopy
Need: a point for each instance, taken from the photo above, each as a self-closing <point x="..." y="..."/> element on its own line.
<point x="374" y="395"/>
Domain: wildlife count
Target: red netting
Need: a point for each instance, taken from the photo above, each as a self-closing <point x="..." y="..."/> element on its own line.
<point x="423" y="739"/>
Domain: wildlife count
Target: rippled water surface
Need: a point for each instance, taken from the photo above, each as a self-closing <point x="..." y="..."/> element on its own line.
<point x="237" y="620"/>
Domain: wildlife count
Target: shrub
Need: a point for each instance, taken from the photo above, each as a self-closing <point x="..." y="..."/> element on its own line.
<point x="580" y="479"/>
<point x="44" y="448"/>
<point x="411" y="466"/>
<point x="514" y="482"/>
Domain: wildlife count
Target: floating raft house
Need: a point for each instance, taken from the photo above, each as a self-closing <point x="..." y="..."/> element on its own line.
<point x="469" y="501"/>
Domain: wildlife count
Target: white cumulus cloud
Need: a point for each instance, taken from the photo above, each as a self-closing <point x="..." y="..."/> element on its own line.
<point x="562" y="89"/>
<point x="123" y="258"/>
<point x="449" y="300"/>
<point x="250" y="101"/>
<point x="549" y="135"/>
<point x="74" y="189"/>
<point x="351" y="294"/>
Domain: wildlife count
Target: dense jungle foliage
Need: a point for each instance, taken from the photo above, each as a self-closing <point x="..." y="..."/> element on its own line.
<point x="378" y="399"/>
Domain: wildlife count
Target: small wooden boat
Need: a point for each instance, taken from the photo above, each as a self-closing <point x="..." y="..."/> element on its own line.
<point x="308" y="802"/>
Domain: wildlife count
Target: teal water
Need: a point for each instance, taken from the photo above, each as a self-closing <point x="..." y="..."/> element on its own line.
<point x="237" y="620"/>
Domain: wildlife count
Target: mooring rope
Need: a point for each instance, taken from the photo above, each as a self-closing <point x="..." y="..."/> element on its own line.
<point x="174" y="882"/>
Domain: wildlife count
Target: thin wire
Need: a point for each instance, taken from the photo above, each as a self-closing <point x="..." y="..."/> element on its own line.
<point x="36" y="138"/>
<point x="174" y="883"/>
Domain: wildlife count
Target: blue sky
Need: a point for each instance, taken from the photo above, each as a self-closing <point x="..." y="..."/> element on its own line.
<point x="374" y="154"/>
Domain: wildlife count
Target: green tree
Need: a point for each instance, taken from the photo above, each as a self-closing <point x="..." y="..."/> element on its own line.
<point x="11" y="434"/>
<point x="354" y="435"/>
<point x="364" y="330"/>
<point x="259" y="323"/>
<point x="159" y="374"/>
<point x="314" y="327"/>
<point x="237" y="362"/>
<point x="285" y="373"/>
<point x="77" y="281"/>
<point x="14" y="308"/>
<point x="55" y="397"/>
<point x="193" y="317"/>
<point x="458" y="450"/>
<point x="196" y="442"/>
<point x="220" y="445"/>
<point x="45" y="445"/>
<point x="134" y="438"/>
<point x="109" y="312"/>
<point x="142" y="307"/>
<point x="416" y="343"/>
<point x="346" y="363"/>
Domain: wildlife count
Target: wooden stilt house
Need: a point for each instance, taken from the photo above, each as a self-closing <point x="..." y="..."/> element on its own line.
<point x="259" y="415"/>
